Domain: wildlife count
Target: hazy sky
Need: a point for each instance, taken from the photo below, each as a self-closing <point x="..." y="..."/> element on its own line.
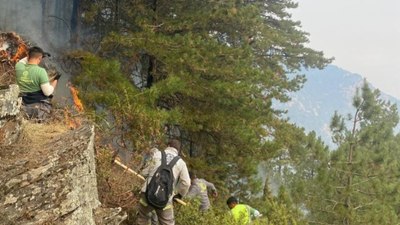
<point x="362" y="35"/>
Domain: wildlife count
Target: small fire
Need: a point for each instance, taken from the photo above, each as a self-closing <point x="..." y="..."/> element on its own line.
<point x="12" y="47"/>
<point x="74" y="122"/>
<point x="22" y="52"/>
<point x="77" y="102"/>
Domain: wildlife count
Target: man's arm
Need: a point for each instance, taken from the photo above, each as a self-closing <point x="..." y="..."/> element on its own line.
<point x="254" y="213"/>
<point x="184" y="180"/>
<point x="211" y="187"/>
<point x="47" y="88"/>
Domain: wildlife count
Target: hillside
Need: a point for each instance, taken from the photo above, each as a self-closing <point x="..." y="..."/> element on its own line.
<point x="324" y="92"/>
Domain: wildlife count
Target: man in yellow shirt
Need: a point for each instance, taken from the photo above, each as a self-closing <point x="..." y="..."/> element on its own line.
<point x="242" y="213"/>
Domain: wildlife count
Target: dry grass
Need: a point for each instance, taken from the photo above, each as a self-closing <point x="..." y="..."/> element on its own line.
<point x="39" y="134"/>
<point x="116" y="186"/>
<point x="33" y="144"/>
<point x="7" y="74"/>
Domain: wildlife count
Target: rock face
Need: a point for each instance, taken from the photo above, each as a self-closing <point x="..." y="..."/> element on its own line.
<point x="57" y="186"/>
<point x="10" y="121"/>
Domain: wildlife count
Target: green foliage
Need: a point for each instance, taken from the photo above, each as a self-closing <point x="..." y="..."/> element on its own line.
<point x="212" y="68"/>
<point x="278" y="210"/>
<point x="354" y="185"/>
<point x="215" y="68"/>
<point x="190" y="215"/>
<point x="275" y="212"/>
<point x="129" y="112"/>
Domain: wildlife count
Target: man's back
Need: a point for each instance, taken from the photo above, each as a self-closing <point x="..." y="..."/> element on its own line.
<point x="180" y="170"/>
<point x="241" y="213"/>
<point x="30" y="77"/>
<point x="181" y="185"/>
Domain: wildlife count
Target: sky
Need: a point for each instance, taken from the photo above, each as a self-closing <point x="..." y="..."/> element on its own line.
<point x="362" y="35"/>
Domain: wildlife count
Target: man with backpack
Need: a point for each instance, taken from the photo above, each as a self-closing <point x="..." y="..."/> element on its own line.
<point x="166" y="173"/>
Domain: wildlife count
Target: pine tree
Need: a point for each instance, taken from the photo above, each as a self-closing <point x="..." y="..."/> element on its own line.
<point x="210" y="71"/>
<point x="359" y="185"/>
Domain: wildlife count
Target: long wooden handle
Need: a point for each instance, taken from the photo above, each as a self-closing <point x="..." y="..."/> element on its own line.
<point x="180" y="201"/>
<point x="129" y="169"/>
<point x="142" y="178"/>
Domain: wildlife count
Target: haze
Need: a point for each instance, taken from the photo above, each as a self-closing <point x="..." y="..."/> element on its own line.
<point x="362" y="35"/>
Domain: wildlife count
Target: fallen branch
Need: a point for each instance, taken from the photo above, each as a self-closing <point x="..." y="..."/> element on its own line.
<point x="142" y="178"/>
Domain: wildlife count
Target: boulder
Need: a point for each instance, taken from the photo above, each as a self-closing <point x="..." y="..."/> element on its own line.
<point x="56" y="185"/>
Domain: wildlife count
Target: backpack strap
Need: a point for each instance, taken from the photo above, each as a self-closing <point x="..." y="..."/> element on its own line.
<point x="173" y="161"/>
<point x="163" y="158"/>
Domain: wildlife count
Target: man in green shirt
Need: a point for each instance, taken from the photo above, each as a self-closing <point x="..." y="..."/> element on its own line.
<point x="242" y="213"/>
<point x="35" y="88"/>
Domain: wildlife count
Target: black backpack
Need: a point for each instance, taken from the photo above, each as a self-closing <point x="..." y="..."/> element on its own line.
<point x="160" y="187"/>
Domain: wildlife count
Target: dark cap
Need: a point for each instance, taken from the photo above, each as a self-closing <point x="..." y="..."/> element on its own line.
<point x="38" y="50"/>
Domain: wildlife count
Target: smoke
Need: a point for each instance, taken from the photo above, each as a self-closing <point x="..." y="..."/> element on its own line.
<point x="4" y="46"/>
<point x="45" y="23"/>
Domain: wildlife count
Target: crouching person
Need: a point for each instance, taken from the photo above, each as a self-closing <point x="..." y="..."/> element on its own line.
<point x="199" y="189"/>
<point x="242" y="213"/>
<point x="35" y="87"/>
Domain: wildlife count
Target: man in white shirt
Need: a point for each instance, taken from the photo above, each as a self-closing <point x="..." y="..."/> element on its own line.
<point x="181" y="185"/>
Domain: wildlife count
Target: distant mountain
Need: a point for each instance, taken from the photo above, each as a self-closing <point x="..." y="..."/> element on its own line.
<point x="325" y="91"/>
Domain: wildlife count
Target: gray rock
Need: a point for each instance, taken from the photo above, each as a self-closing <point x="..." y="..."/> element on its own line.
<point x="10" y="118"/>
<point x="61" y="189"/>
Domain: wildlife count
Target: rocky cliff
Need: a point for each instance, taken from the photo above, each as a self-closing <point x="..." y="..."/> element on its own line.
<point x="48" y="171"/>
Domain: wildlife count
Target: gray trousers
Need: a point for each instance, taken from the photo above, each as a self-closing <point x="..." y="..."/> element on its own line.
<point x="165" y="216"/>
<point x="37" y="111"/>
<point x="154" y="219"/>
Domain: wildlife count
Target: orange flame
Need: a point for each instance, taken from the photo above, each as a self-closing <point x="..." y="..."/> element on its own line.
<point x="16" y="44"/>
<point x="22" y="51"/>
<point x="77" y="102"/>
<point x="74" y="122"/>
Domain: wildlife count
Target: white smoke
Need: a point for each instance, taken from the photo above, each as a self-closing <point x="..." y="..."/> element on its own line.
<point x="43" y="22"/>
<point x="4" y="46"/>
